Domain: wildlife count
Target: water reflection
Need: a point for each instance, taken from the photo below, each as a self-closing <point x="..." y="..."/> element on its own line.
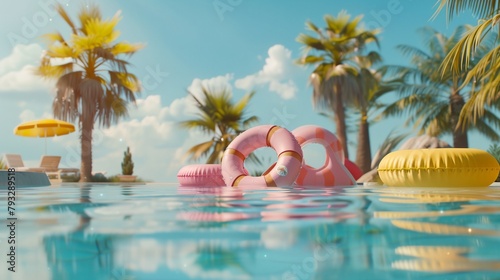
<point x="442" y="259"/>
<point x="443" y="195"/>
<point x="436" y="228"/>
<point x="434" y="217"/>
<point x="215" y="259"/>
<point x="142" y="232"/>
<point x="76" y="256"/>
<point x="463" y="210"/>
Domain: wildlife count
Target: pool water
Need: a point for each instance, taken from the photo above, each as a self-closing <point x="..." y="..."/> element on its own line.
<point x="157" y="231"/>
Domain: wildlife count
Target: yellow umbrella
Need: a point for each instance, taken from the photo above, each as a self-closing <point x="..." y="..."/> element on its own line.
<point x="44" y="128"/>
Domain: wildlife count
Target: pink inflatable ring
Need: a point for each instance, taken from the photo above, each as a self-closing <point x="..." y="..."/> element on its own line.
<point x="333" y="172"/>
<point x="283" y="173"/>
<point x="200" y="175"/>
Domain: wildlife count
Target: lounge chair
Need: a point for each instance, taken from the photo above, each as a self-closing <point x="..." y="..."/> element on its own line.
<point x="51" y="166"/>
<point x="15" y="161"/>
<point x="48" y="164"/>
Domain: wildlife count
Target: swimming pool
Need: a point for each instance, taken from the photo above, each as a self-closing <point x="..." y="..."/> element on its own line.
<point x="159" y="231"/>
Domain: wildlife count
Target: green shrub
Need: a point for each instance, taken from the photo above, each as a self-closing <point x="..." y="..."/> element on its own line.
<point x="98" y="177"/>
<point x="70" y="178"/>
<point x="114" y="179"/>
<point x="127" y="164"/>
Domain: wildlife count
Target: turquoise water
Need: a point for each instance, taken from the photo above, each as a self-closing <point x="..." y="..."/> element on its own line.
<point x="166" y="232"/>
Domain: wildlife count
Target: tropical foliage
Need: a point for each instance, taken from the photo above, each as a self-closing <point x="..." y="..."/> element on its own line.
<point x="485" y="72"/>
<point x="494" y="150"/>
<point x="220" y="118"/>
<point x="435" y="100"/>
<point x="332" y="52"/>
<point x="366" y="104"/>
<point x="358" y="113"/>
<point x="388" y="145"/>
<point x="93" y="82"/>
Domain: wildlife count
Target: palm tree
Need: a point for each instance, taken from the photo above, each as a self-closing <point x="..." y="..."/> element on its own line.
<point x="93" y="84"/>
<point x="435" y="100"/>
<point x="366" y="104"/>
<point x="485" y="73"/>
<point x="332" y="53"/>
<point x="219" y="117"/>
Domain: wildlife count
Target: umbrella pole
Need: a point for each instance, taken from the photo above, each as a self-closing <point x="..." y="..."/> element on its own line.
<point x="45" y="142"/>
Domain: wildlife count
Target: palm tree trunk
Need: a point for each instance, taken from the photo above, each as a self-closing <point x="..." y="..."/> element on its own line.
<point x="340" y="119"/>
<point x="86" y="144"/>
<point x="460" y="139"/>
<point x="363" y="153"/>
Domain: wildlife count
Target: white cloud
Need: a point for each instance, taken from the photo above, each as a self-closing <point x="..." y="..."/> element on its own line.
<point x="28" y="115"/>
<point x="21" y="55"/>
<point x="17" y="70"/>
<point x="276" y="74"/>
<point x="181" y="107"/>
<point x="215" y="83"/>
<point x="151" y="105"/>
<point x="23" y="79"/>
<point x="179" y="156"/>
<point x="157" y="143"/>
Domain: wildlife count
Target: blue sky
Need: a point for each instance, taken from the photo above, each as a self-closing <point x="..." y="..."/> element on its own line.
<point x="246" y="45"/>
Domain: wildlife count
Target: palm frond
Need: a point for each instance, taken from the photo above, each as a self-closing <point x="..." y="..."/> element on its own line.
<point x="125" y="48"/>
<point x="205" y="125"/>
<point x="437" y="123"/>
<point x="485" y="67"/>
<point x="249" y="121"/>
<point x="411" y="51"/>
<point x="124" y="83"/>
<point x="111" y="108"/>
<point x="220" y="118"/>
<point x="460" y="56"/>
<point x="53" y="38"/>
<point x="311" y="26"/>
<point x="66" y="103"/>
<point x="481" y="8"/>
<point x="387" y="146"/>
<point x="62" y="12"/>
<point x="475" y="107"/>
<point x="54" y="71"/>
<point x="90" y="13"/>
<point x="488" y="126"/>
<point x="494" y="150"/>
<point x="310" y="42"/>
<point x="200" y="150"/>
<point x="61" y="51"/>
